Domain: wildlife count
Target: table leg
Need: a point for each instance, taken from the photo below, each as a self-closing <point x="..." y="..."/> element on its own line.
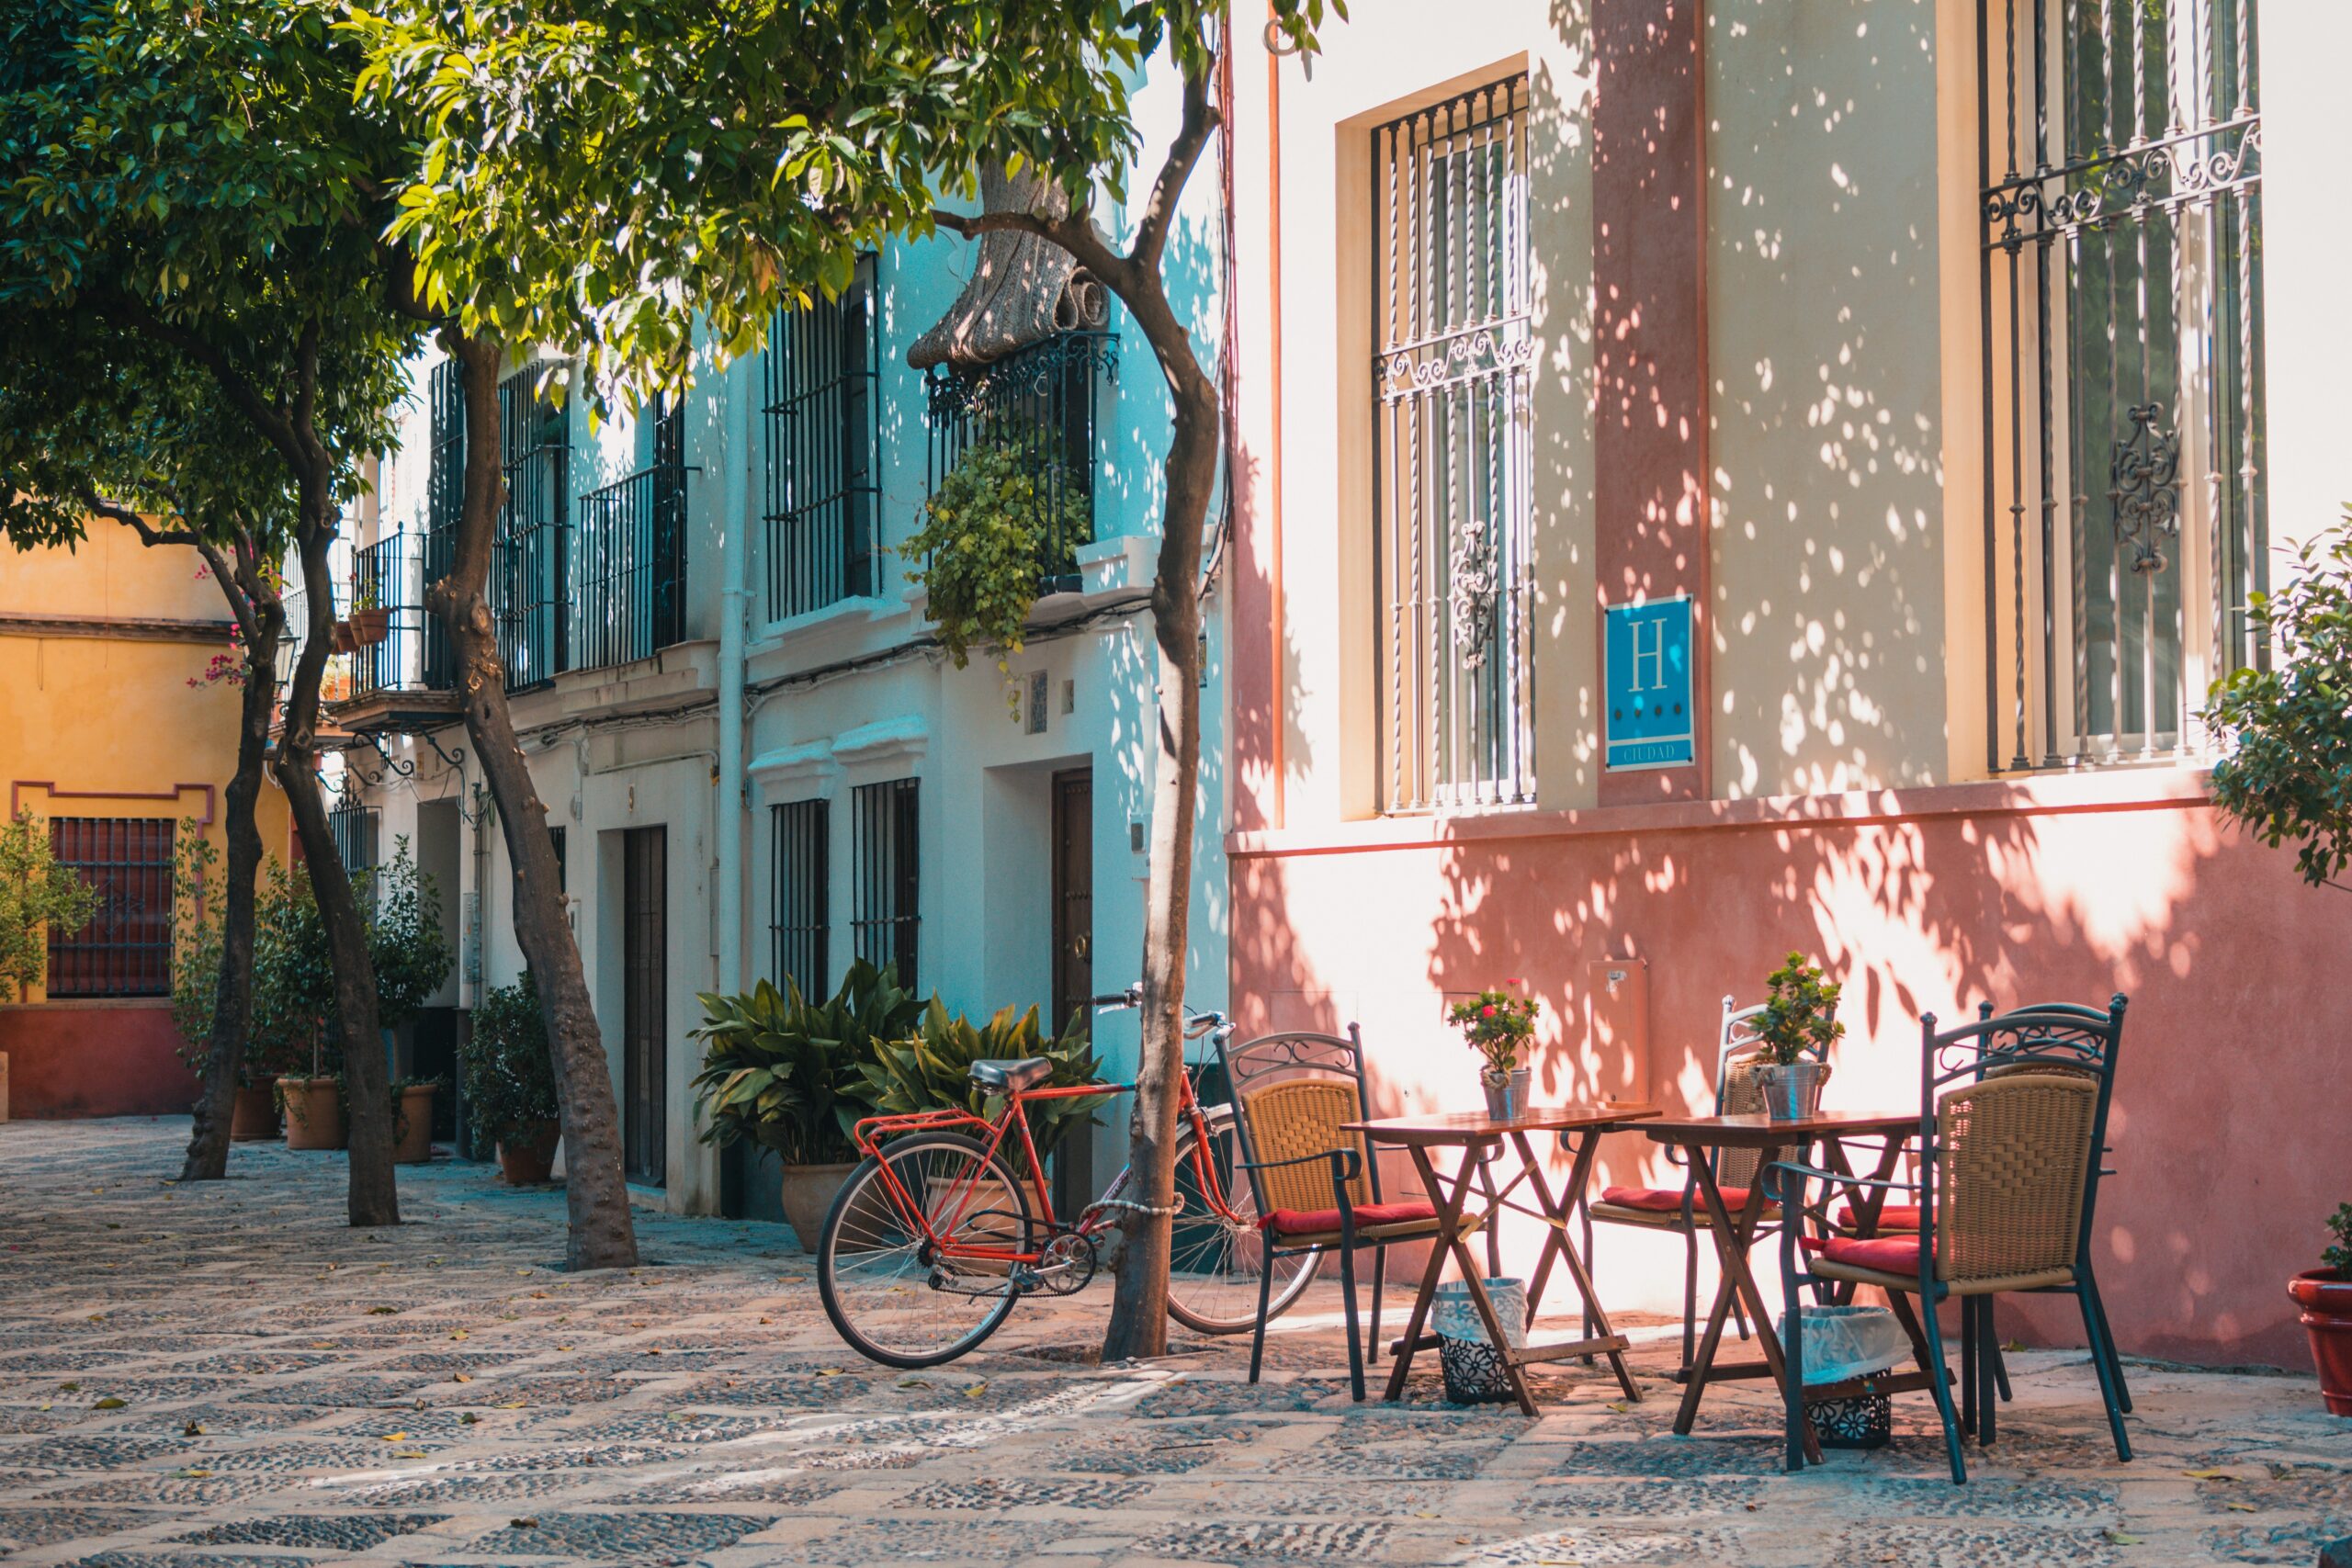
<point x="1448" y="1218"/>
<point x="1475" y="1285"/>
<point x="1494" y="1217"/>
<point x="1562" y="1212"/>
<point x="1733" y="1236"/>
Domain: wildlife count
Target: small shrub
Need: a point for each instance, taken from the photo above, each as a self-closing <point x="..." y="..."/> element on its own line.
<point x="510" y="1078"/>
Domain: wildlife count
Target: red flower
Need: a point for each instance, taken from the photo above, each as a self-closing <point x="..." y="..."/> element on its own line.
<point x="1487" y="1011"/>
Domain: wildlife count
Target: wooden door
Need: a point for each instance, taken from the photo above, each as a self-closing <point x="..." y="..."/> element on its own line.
<point x="1073" y="937"/>
<point x="644" y="1001"/>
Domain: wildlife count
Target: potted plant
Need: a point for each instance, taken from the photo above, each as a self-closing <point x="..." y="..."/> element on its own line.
<point x="510" y="1083"/>
<point x="2325" y="1295"/>
<point x="783" y="1072"/>
<point x="1798" y="1026"/>
<point x="932" y="1070"/>
<point x="983" y="546"/>
<point x="1500" y="1026"/>
<point x="340" y="639"/>
<point x="413" y="1120"/>
<point x="294" y="1009"/>
<point x="370" y="622"/>
<point x="198" y="926"/>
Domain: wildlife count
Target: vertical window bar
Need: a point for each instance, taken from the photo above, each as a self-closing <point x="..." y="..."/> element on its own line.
<point x="887" y="826"/>
<point x="820" y="466"/>
<point x="530" y="578"/>
<point x="126" y="949"/>
<point x="800" y="896"/>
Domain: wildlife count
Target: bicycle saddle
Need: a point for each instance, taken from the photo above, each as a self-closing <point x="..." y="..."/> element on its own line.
<point x="1005" y="1078"/>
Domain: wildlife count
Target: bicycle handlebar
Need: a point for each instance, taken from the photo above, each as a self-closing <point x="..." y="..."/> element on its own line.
<point x="1195" y="1023"/>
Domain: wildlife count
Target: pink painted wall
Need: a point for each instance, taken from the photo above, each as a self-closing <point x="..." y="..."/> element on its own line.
<point x="2228" y="1104"/>
<point x="108" y="1060"/>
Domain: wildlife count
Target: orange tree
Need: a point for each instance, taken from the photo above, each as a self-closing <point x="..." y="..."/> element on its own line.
<point x="625" y="177"/>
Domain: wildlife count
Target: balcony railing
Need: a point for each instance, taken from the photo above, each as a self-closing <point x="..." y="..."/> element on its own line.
<point x="1045" y="402"/>
<point x="632" y="567"/>
<point x="391" y="575"/>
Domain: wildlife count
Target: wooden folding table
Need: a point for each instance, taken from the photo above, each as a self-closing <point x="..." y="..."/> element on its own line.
<point x="1478" y="1137"/>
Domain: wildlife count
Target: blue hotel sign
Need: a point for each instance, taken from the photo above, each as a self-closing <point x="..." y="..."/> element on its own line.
<point x="1647" y="679"/>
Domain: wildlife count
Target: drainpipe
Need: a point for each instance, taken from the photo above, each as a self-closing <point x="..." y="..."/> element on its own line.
<point x="734" y="504"/>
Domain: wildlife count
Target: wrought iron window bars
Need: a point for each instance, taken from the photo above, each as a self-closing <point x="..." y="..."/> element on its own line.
<point x="822" y="466"/>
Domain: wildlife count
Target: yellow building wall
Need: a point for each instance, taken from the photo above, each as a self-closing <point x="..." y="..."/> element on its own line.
<point x="104" y="709"/>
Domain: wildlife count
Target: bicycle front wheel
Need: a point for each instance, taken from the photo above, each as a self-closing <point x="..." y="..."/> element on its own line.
<point x="1217" y="1253"/>
<point x="890" y="1267"/>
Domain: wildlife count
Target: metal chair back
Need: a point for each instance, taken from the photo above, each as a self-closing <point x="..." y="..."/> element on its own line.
<point x="1292" y="1090"/>
<point x="1737" y="1093"/>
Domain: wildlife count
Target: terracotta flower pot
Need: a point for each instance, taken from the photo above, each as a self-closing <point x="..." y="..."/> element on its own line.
<point x="314" y="1113"/>
<point x="529" y="1162"/>
<point x="255" y="1116"/>
<point x="809" y="1193"/>
<point x="415" y="1147"/>
<point x="2326" y="1296"/>
<point x="340" y="639"/>
<point x="369" y="628"/>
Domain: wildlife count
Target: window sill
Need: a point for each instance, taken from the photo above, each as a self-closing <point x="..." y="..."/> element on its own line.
<point x="808" y="623"/>
<point x="2174" y="788"/>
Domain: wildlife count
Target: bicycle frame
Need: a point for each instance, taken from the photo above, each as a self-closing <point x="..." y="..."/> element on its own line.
<point x="870" y="1132"/>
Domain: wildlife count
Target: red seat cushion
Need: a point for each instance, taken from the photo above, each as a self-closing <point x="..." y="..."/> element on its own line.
<point x="1894" y="1217"/>
<point x="1663" y="1201"/>
<point x="1314" y="1222"/>
<point x="1883" y="1254"/>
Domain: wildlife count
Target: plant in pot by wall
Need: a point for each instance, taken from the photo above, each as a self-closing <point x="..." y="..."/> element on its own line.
<point x="510" y="1083"/>
<point x="370" y="622"/>
<point x="413" y="1120"/>
<point x="932" y="1070"/>
<point x="196" y="936"/>
<point x="1500" y="1026"/>
<point x="293" y="1032"/>
<point x="411" y="960"/>
<point x="2326" y="1296"/>
<point x="982" y="544"/>
<point x="784" y="1072"/>
<point x="1798" y="1026"/>
<point x="36" y="893"/>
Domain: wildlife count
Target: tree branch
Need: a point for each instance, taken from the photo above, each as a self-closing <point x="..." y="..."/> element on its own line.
<point x="132" y="518"/>
<point x="1077" y="234"/>
<point x="1168" y="188"/>
<point x="265" y="416"/>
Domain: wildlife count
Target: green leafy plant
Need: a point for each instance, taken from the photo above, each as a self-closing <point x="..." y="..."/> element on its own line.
<point x="982" y="536"/>
<point x="36" y="894"/>
<point x="1498" y="1024"/>
<point x="405" y="941"/>
<point x="2339" y="1256"/>
<point x="784" y="1072"/>
<point x="2287" y="731"/>
<point x="510" y="1080"/>
<point x="1800" y="1016"/>
<point x="293" y="978"/>
<point x="196" y="949"/>
<point x="932" y="1070"/>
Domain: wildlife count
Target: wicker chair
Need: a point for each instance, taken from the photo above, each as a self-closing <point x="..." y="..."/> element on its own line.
<point x="1317" y="1187"/>
<point x="2013" y="1115"/>
<point x="1678" y="1209"/>
<point x="2095" y="1032"/>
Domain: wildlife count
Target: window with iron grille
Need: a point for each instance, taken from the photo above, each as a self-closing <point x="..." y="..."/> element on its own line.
<point x="633" y="551"/>
<point x="563" y="872"/>
<point x="1043" y="403"/>
<point x="354" y="830"/>
<point x="888" y="846"/>
<point x="530" y="565"/>
<point x="801" y="894"/>
<point x="445" y="490"/>
<point x="822" y="488"/>
<point x="126" y="950"/>
<point x="2121" y="289"/>
<point x="1452" y="452"/>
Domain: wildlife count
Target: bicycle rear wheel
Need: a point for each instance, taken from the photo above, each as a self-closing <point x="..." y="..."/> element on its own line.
<point x="884" y="1283"/>
<point x="1217" y="1253"/>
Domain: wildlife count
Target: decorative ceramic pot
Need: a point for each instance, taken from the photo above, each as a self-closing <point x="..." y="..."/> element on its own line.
<point x="2326" y="1296"/>
<point x="414" y="1126"/>
<point x="529" y="1161"/>
<point x="1506" y="1096"/>
<point x="254" y="1117"/>
<point x="314" y="1113"/>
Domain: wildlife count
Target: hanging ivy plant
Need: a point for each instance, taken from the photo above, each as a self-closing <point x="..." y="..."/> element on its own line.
<point x="982" y="536"/>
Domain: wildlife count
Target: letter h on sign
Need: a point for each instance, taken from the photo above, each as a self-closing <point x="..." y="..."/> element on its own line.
<point x="1646" y="680"/>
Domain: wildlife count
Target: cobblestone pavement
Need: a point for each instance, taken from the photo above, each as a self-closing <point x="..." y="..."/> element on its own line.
<point x="226" y="1375"/>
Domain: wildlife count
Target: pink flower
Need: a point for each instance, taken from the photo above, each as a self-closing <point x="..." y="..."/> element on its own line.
<point x="1514" y="982"/>
<point x="1487" y="1011"/>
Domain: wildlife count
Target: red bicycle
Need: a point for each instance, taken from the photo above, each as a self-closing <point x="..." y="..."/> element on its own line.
<point x="943" y="1228"/>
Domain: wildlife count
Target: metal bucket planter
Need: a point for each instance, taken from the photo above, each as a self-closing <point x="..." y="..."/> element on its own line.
<point x="1791" y="1090"/>
<point x="1475" y="1373"/>
<point x="1507" y="1099"/>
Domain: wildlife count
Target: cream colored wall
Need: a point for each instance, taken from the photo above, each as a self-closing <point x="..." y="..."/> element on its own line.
<point x="1389" y="56"/>
<point x="1824" y="341"/>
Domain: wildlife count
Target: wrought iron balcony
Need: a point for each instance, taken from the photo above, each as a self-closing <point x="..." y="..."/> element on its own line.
<point x="390" y="577"/>
<point x="632" y="567"/>
<point x="1045" y="401"/>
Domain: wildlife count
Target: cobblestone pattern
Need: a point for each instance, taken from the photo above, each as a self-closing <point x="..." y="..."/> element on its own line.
<point x="294" y="1391"/>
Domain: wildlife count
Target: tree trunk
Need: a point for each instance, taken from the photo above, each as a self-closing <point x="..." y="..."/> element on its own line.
<point x="373" y="1199"/>
<point x="1138" y="1324"/>
<point x="596" y="1193"/>
<point x="232" y="1005"/>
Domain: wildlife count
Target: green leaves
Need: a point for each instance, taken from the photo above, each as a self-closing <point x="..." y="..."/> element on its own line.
<point x="36" y="894"/>
<point x="2287" y="729"/>
<point x="931" y="1071"/>
<point x="510" y="1079"/>
<point x="1800" y="1016"/>
<point x="782" y="1071"/>
<point x="981" y="542"/>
